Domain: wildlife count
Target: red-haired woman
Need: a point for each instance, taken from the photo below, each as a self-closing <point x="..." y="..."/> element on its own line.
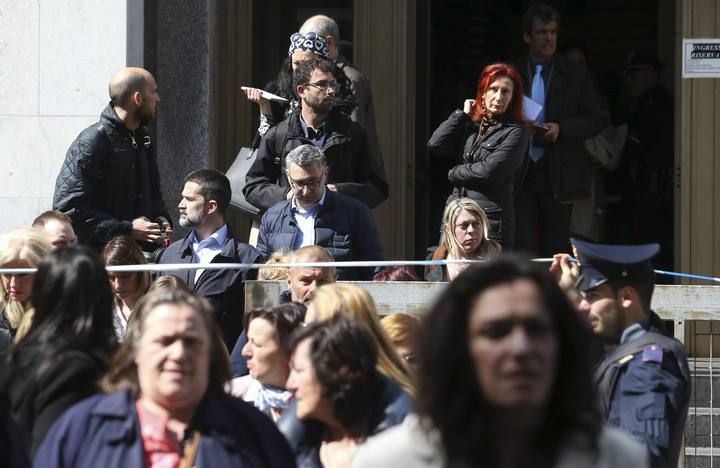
<point x="489" y="140"/>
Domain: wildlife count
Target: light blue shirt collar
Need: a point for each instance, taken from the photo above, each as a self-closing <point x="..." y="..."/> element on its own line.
<point x="216" y="238"/>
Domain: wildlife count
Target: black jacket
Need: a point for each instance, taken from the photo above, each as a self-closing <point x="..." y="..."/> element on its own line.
<point x="343" y="225"/>
<point x="486" y="169"/>
<point x="572" y="101"/>
<point x="109" y="177"/>
<point x="223" y="288"/>
<point x="39" y="392"/>
<point x="347" y="155"/>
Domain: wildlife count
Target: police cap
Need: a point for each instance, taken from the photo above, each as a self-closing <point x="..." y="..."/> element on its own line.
<point x="600" y="263"/>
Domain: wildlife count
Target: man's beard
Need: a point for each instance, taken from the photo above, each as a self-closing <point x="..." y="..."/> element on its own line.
<point x="320" y="106"/>
<point x="191" y="220"/>
<point x="144" y="115"/>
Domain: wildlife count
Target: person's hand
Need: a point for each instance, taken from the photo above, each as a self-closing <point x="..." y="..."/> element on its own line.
<point x="332" y="187"/>
<point x="145" y="230"/>
<point x="165" y="230"/>
<point x="553" y="132"/>
<point x="468" y="106"/>
<point x="255" y="95"/>
<point x="566" y="274"/>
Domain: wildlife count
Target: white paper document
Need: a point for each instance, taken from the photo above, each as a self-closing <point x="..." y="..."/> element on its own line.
<point x="531" y="109"/>
<point x="269" y="96"/>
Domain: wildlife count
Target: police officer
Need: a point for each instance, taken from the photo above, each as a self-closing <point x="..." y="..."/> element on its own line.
<point x="643" y="381"/>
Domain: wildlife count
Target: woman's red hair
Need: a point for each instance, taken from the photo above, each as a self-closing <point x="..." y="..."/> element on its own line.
<point x="487" y="77"/>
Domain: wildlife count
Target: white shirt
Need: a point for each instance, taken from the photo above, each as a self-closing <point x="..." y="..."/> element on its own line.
<point x="305" y="219"/>
<point x="204" y="251"/>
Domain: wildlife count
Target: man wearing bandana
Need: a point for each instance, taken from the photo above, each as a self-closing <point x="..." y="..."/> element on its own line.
<point x="643" y="381"/>
<point x="319" y="123"/>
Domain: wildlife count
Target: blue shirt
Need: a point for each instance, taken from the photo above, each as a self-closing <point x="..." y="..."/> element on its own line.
<point x="207" y="249"/>
<point x="318" y="135"/>
<point x="305" y="219"/>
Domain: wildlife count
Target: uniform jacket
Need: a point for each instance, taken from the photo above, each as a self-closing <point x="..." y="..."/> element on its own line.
<point x="305" y="437"/>
<point x="486" y="169"/>
<point x="572" y="101"/>
<point x="38" y="398"/>
<point x="109" y="178"/>
<point x="223" y="288"/>
<point x="410" y="445"/>
<point x="103" y="431"/>
<point x="343" y="225"/>
<point x="644" y="389"/>
<point x="347" y="156"/>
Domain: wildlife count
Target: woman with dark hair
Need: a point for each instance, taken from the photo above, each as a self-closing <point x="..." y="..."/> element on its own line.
<point x="504" y="380"/>
<point x="488" y="139"/>
<point x="335" y="383"/>
<point x="128" y="287"/>
<point x="68" y="346"/>
<point x="268" y="357"/>
<point x="167" y="405"/>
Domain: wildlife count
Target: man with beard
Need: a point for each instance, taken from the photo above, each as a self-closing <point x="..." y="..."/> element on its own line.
<point x="109" y="183"/>
<point x="318" y="123"/>
<point x="643" y="382"/>
<point x="205" y="198"/>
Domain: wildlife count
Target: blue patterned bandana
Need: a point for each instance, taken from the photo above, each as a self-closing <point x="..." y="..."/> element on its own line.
<point x="310" y="42"/>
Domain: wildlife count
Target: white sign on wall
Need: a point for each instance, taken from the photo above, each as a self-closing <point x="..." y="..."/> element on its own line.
<point x="701" y="58"/>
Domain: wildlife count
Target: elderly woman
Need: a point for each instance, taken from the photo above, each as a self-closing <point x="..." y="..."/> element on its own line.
<point x="334" y="379"/>
<point x="488" y="139"/>
<point x="128" y="287"/>
<point x="268" y="357"/>
<point x="464" y="237"/>
<point x="69" y="345"/>
<point x="19" y="248"/>
<point x="167" y="405"/>
<point x="505" y="379"/>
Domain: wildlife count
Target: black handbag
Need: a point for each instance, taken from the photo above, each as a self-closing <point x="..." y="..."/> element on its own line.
<point x="236" y="174"/>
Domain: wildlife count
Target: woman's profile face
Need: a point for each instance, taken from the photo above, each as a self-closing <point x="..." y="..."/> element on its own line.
<point x="498" y="96"/>
<point x="18" y="285"/>
<point x="468" y="231"/>
<point x="513" y="346"/>
<point x="173" y="357"/>
<point x="305" y="386"/>
<point x="266" y="362"/>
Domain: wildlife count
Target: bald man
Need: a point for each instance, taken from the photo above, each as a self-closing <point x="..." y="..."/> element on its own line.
<point x="364" y="113"/>
<point x="109" y="184"/>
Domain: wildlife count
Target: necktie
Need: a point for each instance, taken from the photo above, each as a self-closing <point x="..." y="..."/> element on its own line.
<point x="537" y="94"/>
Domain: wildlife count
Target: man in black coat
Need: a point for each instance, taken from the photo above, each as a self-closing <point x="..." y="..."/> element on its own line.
<point x="109" y="183"/>
<point x="560" y="169"/>
<point x="205" y="198"/>
<point x="316" y="122"/>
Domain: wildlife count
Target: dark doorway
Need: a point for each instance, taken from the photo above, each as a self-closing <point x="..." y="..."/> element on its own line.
<point x="463" y="36"/>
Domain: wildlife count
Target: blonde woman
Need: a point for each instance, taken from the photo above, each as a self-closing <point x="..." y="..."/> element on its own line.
<point x="19" y="248"/>
<point x="464" y="237"/>
<point x="332" y="299"/>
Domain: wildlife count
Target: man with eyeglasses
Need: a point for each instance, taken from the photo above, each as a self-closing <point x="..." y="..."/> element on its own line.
<point x="314" y="214"/>
<point x="318" y="123"/>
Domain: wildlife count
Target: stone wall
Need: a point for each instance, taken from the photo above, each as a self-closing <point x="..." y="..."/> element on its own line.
<point x="56" y="59"/>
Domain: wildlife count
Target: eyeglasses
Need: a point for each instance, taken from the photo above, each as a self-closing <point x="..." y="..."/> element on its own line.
<point x="312" y="184"/>
<point x="325" y="85"/>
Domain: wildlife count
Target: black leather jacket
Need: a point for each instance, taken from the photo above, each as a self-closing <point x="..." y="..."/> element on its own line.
<point x="109" y="177"/>
<point x="348" y="158"/>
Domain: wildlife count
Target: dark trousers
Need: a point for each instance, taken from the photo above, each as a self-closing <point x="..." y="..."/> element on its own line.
<point x="542" y="224"/>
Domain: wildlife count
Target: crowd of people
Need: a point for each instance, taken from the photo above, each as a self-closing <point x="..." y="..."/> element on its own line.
<point x="513" y="365"/>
